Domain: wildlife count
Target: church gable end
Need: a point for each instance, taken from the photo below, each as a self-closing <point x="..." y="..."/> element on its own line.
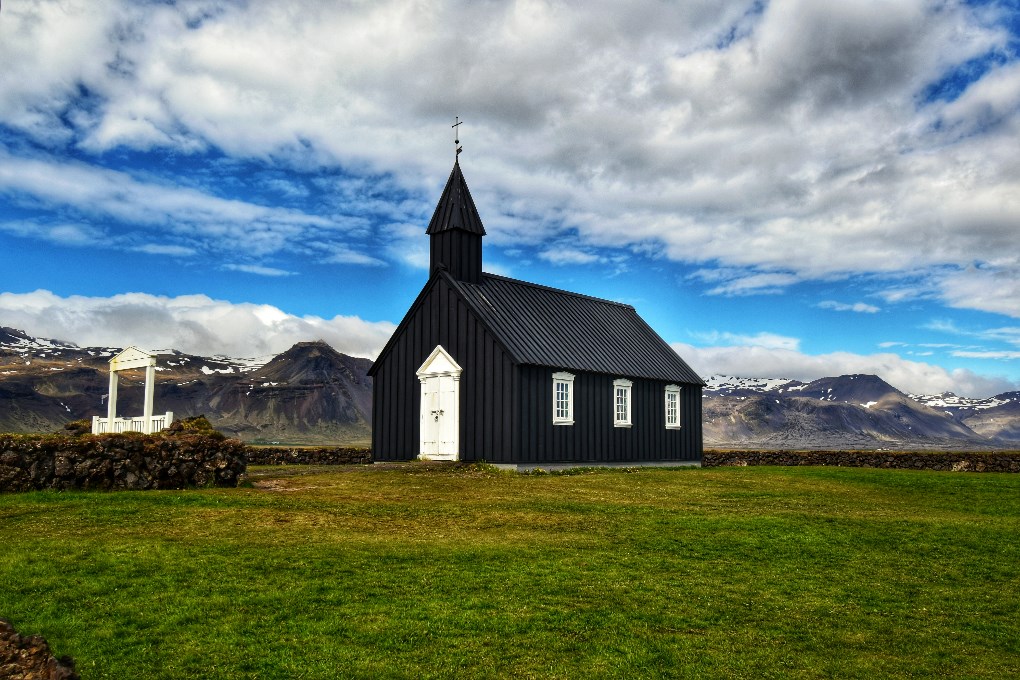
<point x="441" y="318"/>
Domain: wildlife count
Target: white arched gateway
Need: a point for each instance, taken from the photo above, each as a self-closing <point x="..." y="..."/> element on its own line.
<point x="132" y="357"/>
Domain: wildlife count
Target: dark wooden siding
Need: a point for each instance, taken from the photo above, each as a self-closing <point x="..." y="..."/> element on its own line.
<point x="460" y="252"/>
<point x="593" y="437"/>
<point x="486" y="388"/>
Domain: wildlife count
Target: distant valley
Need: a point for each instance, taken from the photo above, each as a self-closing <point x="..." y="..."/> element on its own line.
<point x="312" y="394"/>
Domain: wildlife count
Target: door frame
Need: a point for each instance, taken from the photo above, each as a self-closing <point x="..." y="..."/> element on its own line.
<point x="439" y="365"/>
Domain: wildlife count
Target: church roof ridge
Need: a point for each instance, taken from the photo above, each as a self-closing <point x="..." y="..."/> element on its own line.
<point x="456" y="209"/>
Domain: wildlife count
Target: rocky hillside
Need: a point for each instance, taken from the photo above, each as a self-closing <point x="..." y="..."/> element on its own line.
<point x="310" y="394"/>
<point x="850" y="411"/>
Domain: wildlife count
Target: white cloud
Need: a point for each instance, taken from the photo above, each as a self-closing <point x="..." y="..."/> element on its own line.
<point x="188" y="212"/>
<point x="192" y="220"/>
<point x="344" y="255"/>
<point x="733" y="282"/>
<point x="195" y="324"/>
<point x="988" y="354"/>
<point x="761" y="340"/>
<point x="1007" y="334"/>
<point x="165" y="249"/>
<point x="860" y="307"/>
<point x="903" y="374"/>
<point x="785" y="145"/>
<point x="992" y="289"/>
<point x="258" y="270"/>
<point x="62" y="233"/>
<point x="567" y="256"/>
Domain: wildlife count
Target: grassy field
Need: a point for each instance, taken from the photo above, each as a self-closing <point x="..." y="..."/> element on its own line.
<point x="426" y="572"/>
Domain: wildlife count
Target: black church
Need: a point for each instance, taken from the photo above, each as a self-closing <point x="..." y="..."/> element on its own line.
<point x="485" y="367"/>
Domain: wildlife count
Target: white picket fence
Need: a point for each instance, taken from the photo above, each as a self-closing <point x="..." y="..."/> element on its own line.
<point x="136" y="424"/>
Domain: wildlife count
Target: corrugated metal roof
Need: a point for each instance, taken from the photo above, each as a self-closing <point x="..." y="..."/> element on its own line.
<point x="456" y="209"/>
<point x="551" y="327"/>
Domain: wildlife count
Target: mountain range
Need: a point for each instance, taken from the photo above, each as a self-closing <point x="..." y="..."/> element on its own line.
<point x="313" y="394"/>
<point x="310" y="394"/>
<point x="852" y="411"/>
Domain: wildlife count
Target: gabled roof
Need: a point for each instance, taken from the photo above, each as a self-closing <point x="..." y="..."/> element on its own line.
<point x="456" y="209"/>
<point x="132" y="357"/>
<point x="550" y="327"/>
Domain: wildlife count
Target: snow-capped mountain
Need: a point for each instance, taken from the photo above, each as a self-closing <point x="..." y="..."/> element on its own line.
<point x="861" y="411"/>
<point x="849" y="411"/>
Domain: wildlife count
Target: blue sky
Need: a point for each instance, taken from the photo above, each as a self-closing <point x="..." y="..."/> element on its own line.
<point x="782" y="189"/>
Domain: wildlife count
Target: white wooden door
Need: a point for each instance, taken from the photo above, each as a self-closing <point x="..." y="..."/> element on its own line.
<point x="440" y="407"/>
<point x="430" y="418"/>
<point x="447" y="419"/>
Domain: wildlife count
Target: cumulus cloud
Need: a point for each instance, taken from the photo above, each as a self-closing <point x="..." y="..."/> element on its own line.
<point x="749" y="361"/>
<point x="720" y="132"/>
<point x="195" y="324"/>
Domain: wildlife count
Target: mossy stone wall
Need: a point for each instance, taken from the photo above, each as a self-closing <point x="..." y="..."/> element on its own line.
<point x="119" y="461"/>
<point x="949" y="461"/>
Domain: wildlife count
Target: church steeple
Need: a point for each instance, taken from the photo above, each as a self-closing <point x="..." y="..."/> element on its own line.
<point x="456" y="231"/>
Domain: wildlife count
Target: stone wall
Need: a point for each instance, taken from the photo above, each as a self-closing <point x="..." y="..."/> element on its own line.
<point x="271" y="455"/>
<point x="1008" y="461"/>
<point x="119" y="461"/>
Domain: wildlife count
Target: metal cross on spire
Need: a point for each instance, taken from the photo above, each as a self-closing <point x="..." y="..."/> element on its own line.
<point x="456" y="136"/>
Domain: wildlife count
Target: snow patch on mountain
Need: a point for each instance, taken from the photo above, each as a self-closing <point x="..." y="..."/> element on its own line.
<point x="726" y="384"/>
<point x="948" y="400"/>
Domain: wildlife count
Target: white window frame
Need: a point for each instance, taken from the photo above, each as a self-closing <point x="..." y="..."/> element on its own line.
<point x="622" y="387"/>
<point x="567" y="380"/>
<point x="672" y="391"/>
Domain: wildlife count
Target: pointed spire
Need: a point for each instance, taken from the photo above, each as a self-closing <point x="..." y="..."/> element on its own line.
<point x="456" y="209"/>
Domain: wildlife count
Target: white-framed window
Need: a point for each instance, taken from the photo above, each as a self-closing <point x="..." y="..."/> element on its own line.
<point x="563" y="398"/>
<point x="621" y="402"/>
<point x="672" y="407"/>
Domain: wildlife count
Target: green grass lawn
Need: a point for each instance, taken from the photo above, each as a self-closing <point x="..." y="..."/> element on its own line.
<point x="426" y="572"/>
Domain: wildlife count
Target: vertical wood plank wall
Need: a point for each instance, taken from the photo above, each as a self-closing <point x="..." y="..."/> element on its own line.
<point x="593" y="437"/>
<point x="461" y="253"/>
